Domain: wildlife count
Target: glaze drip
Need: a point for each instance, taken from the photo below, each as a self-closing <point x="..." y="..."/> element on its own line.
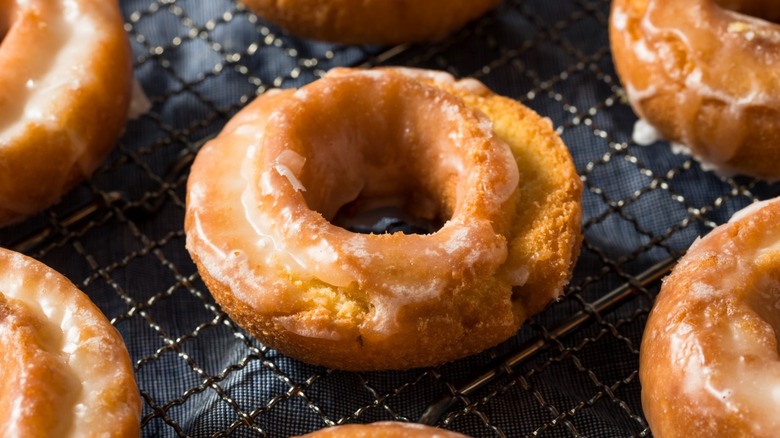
<point x="324" y="204"/>
<point x="65" y="370"/>
<point x="710" y="349"/>
<point x="705" y="74"/>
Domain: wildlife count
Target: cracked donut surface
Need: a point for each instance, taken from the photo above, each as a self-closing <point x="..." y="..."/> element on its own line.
<point x="263" y="194"/>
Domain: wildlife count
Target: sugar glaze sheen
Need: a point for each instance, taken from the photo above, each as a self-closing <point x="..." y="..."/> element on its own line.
<point x="263" y="195"/>
<point x="706" y="75"/>
<point x="709" y="360"/>
<point x="65" y="90"/>
<point x="65" y="369"/>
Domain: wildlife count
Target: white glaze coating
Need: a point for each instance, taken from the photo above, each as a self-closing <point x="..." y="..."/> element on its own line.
<point x="644" y="134"/>
<point x="466" y="84"/>
<point x="619" y="19"/>
<point x="65" y="86"/>
<point x="652" y="26"/>
<point x="748" y="210"/>
<point x="88" y="355"/>
<point x="710" y="353"/>
<point x="288" y="238"/>
<point x="706" y="72"/>
<point x="67" y="42"/>
<point x="384" y="429"/>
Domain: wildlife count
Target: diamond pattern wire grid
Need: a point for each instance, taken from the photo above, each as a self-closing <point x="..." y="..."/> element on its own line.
<point x="120" y="238"/>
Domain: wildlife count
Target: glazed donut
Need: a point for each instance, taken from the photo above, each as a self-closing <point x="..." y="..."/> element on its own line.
<point x="383" y="429"/>
<point x="262" y="197"/>
<point x="64" y="368"/>
<point x="706" y="75"/>
<point x="65" y="86"/>
<point x="372" y="21"/>
<point x="709" y="362"/>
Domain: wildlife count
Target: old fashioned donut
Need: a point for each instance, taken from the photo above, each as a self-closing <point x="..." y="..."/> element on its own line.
<point x="706" y="75"/>
<point x="372" y="21"/>
<point x="709" y="362"/>
<point x="64" y="368"/>
<point x="262" y="195"/>
<point x="383" y="429"/>
<point x="65" y="86"/>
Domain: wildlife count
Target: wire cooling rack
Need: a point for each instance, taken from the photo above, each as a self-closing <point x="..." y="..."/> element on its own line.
<point x="571" y="371"/>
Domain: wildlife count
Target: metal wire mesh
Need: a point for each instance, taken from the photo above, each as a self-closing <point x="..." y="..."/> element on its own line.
<point x="120" y="235"/>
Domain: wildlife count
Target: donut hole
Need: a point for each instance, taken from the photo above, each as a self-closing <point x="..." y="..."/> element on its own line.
<point x="755" y="8"/>
<point x="408" y="214"/>
<point x="378" y="194"/>
<point x="377" y="161"/>
<point x="386" y="195"/>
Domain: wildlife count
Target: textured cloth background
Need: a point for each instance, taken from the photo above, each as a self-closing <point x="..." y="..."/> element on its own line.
<point x="119" y="236"/>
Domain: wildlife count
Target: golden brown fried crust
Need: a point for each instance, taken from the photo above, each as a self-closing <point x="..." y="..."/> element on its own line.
<point x="709" y="352"/>
<point x="419" y="340"/>
<point x="41" y="164"/>
<point x="547" y="228"/>
<point x="705" y="77"/>
<point x="64" y="367"/>
<point x="372" y="21"/>
<point x="383" y="429"/>
<point x="481" y="312"/>
<point x="46" y="384"/>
